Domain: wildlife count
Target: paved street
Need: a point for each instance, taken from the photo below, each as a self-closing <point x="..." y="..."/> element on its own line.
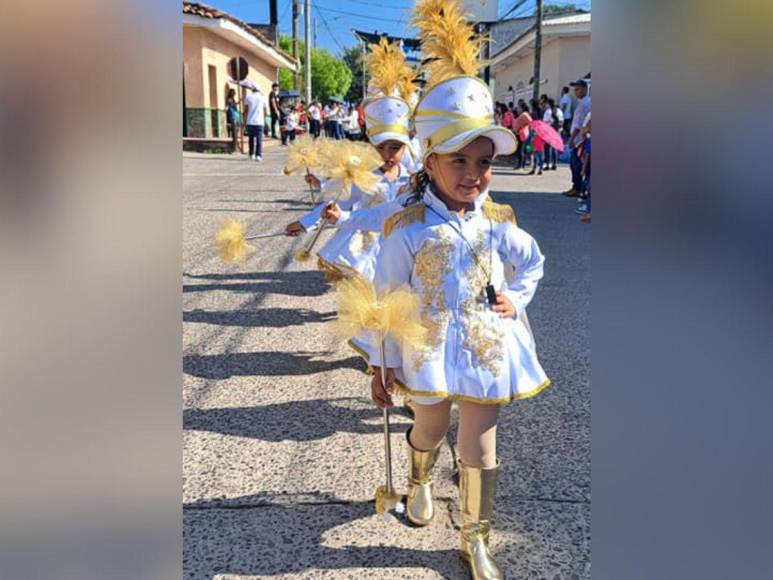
<point x="283" y="448"/>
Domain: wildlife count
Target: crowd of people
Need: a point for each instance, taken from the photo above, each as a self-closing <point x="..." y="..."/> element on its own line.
<point x="571" y="118"/>
<point x="283" y="119"/>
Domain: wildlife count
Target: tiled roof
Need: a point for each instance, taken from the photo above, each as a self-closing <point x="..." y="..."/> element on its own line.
<point x="204" y="11"/>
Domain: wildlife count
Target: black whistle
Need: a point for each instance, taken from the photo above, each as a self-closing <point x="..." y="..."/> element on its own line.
<point x="491" y="294"/>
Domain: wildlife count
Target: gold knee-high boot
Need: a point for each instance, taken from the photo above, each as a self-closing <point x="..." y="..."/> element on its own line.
<point x="419" y="508"/>
<point x="477" y="488"/>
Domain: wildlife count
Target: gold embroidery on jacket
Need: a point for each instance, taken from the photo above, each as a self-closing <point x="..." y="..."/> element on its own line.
<point x="432" y="265"/>
<point x="361" y="242"/>
<point x="482" y="337"/>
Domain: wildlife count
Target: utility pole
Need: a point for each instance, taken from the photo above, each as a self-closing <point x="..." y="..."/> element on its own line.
<point x="537" y="50"/>
<point x="307" y="57"/>
<point x="295" y="42"/>
<point x="364" y="85"/>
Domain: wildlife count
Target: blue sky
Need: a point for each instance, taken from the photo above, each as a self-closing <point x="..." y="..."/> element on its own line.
<point x="336" y="18"/>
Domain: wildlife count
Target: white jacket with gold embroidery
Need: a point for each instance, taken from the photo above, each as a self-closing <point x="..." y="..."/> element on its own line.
<point x="472" y="353"/>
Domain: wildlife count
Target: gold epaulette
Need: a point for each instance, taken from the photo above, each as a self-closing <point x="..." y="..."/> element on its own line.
<point x="404" y="188"/>
<point x="499" y="212"/>
<point x="405" y="217"/>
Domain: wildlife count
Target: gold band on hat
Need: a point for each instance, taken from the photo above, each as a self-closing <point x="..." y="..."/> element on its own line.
<point x="386" y="128"/>
<point x="459" y="126"/>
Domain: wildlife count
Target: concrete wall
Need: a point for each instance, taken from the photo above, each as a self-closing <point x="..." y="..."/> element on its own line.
<point x="202" y="48"/>
<point x="564" y="60"/>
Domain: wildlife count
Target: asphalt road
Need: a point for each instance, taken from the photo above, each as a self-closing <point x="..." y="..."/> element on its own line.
<point x="282" y="446"/>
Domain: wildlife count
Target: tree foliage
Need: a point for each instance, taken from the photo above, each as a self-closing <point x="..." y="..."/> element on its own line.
<point x="353" y="60"/>
<point x="330" y="75"/>
<point x="558" y="8"/>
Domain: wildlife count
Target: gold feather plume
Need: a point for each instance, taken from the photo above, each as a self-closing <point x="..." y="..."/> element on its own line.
<point x="449" y="44"/>
<point x="230" y="239"/>
<point x="396" y="314"/>
<point x="346" y="163"/>
<point x="390" y="74"/>
<point x="304" y="153"/>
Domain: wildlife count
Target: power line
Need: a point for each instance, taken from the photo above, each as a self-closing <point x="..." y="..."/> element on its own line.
<point x="515" y="7"/>
<point x="327" y="26"/>
<point x="287" y="8"/>
<point x="359" y="15"/>
<point x="376" y="4"/>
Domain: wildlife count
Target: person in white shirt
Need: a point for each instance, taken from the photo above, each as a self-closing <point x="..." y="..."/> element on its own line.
<point x="315" y="118"/>
<point x="291" y="124"/>
<point x="578" y="118"/>
<point x="353" y="128"/>
<point x="567" y="106"/>
<point x="256" y="119"/>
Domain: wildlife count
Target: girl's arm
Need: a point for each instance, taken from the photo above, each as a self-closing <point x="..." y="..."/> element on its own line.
<point x="369" y="219"/>
<point x="393" y="270"/>
<point x="522" y="251"/>
<point x="313" y="219"/>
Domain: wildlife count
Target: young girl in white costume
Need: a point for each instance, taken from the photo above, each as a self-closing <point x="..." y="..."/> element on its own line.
<point x="451" y="248"/>
<point x="352" y="251"/>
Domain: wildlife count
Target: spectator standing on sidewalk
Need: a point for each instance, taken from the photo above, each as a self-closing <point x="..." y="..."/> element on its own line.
<point x="548" y="116"/>
<point x="291" y="124"/>
<point x="578" y="120"/>
<point x="273" y="102"/>
<point x="234" y="117"/>
<point x="567" y="106"/>
<point x="255" y="103"/>
<point x="315" y="119"/>
<point x="521" y="130"/>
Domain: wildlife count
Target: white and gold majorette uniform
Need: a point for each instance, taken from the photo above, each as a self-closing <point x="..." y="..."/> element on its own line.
<point x="352" y="251"/>
<point x="472" y="353"/>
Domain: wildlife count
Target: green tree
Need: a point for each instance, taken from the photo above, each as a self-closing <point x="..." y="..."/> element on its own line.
<point x="330" y="75"/>
<point x="353" y="60"/>
<point x="558" y="8"/>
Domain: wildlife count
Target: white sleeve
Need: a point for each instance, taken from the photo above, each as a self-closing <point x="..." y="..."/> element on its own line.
<point x="522" y="251"/>
<point x="313" y="219"/>
<point x="370" y="219"/>
<point x="393" y="270"/>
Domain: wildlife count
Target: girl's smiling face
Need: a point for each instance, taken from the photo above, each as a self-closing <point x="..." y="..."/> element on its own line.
<point x="391" y="153"/>
<point x="462" y="176"/>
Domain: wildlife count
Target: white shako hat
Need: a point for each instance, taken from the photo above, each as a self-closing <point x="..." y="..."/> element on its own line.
<point x="457" y="106"/>
<point x="387" y="118"/>
<point x="391" y="93"/>
<point x="454" y="113"/>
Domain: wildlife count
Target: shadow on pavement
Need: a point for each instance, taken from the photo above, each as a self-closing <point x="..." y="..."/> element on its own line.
<point x="293" y="421"/>
<point x="266" y="363"/>
<point x="285" y="538"/>
<point x="271" y="317"/>
<point x="306" y="283"/>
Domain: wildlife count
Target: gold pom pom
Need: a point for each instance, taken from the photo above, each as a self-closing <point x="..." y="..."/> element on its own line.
<point x="230" y="239"/>
<point x="303" y="154"/>
<point x="396" y="314"/>
<point x="347" y="163"/>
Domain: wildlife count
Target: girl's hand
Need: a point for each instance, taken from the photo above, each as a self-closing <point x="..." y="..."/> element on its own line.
<point x="504" y="306"/>
<point x="382" y="397"/>
<point x="294" y="229"/>
<point x="312" y="181"/>
<point x="331" y="213"/>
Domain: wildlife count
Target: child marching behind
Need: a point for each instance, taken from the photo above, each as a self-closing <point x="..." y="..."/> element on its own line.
<point x="352" y="250"/>
<point x="451" y="248"/>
